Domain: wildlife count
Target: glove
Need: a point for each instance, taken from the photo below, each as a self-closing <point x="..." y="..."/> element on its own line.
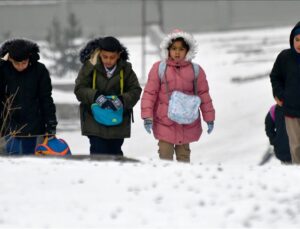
<point x="5" y="57"/>
<point x="51" y="128"/>
<point x="103" y="102"/>
<point x="210" y="127"/>
<point x="94" y="57"/>
<point x="148" y="123"/>
<point x="117" y="102"/>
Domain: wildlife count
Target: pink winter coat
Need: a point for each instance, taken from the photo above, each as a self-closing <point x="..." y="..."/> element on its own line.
<point x="154" y="103"/>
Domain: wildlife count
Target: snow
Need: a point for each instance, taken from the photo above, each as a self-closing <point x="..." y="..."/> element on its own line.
<point x="223" y="187"/>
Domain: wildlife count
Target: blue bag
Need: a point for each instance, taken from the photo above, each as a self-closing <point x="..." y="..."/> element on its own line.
<point x="106" y="116"/>
<point x="53" y="147"/>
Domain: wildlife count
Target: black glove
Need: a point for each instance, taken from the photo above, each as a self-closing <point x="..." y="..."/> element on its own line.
<point x="51" y="128"/>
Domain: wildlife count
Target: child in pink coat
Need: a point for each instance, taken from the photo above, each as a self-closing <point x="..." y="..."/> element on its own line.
<point x="178" y="49"/>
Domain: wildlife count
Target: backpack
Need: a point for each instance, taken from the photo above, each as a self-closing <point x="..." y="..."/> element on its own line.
<point x="163" y="66"/>
<point x="183" y="108"/>
<point x="53" y="147"/>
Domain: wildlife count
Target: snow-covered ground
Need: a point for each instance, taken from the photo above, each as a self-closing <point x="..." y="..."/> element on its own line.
<point x="223" y="187"/>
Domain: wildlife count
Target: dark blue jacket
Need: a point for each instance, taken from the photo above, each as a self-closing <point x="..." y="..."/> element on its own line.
<point x="276" y="132"/>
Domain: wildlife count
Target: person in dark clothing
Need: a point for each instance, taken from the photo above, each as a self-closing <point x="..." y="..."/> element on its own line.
<point x="25" y="88"/>
<point x="276" y="132"/>
<point x="106" y="72"/>
<point x="285" y="82"/>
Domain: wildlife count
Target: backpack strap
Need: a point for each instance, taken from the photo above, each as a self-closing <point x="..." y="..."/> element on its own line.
<point x="272" y="112"/>
<point x="162" y="70"/>
<point x="196" y="68"/>
<point x="121" y="80"/>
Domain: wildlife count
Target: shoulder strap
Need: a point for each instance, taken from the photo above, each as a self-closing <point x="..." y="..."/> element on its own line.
<point x="196" y="69"/>
<point x="161" y="69"/>
<point x="94" y="79"/>
<point x="272" y="112"/>
<point x="121" y="80"/>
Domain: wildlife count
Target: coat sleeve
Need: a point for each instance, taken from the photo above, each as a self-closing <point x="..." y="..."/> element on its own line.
<point x="46" y="100"/>
<point x="83" y="91"/>
<point x="150" y="94"/>
<point x="207" y="109"/>
<point x="132" y="88"/>
<point x="270" y="128"/>
<point x="277" y="79"/>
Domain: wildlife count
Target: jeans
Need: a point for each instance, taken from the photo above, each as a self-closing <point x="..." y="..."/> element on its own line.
<point x="106" y="146"/>
<point x="21" y="145"/>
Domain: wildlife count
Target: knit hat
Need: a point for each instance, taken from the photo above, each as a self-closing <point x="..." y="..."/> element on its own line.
<point x="20" y="50"/>
<point x="177" y="33"/>
<point x="111" y="44"/>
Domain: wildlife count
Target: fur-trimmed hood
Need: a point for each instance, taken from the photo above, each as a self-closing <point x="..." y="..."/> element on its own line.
<point x="189" y="39"/>
<point x="19" y="45"/>
<point x="96" y="43"/>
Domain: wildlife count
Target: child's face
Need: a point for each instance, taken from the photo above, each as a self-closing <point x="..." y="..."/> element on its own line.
<point x="177" y="51"/>
<point x="109" y="59"/>
<point x="297" y="43"/>
<point x="19" y="66"/>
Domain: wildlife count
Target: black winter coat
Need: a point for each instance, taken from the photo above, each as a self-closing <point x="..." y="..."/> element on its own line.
<point x="285" y="79"/>
<point x="277" y="135"/>
<point x="34" y="109"/>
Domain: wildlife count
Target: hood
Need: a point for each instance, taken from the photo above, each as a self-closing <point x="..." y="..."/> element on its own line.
<point x="89" y="48"/>
<point x="20" y="47"/>
<point x="189" y="39"/>
<point x="96" y="43"/>
<point x="297" y="26"/>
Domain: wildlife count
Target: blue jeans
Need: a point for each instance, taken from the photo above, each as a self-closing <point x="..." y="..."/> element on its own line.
<point x="106" y="146"/>
<point x="21" y="145"/>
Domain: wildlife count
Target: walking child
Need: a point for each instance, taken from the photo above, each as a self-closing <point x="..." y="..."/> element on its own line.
<point x="285" y="82"/>
<point x="179" y="75"/>
<point x="25" y="87"/>
<point x="106" y="80"/>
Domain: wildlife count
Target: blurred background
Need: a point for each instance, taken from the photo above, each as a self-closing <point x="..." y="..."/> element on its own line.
<point x="64" y="25"/>
<point x="32" y="18"/>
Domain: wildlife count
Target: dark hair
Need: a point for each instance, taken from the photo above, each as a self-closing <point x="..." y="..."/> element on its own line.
<point x="184" y="43"/>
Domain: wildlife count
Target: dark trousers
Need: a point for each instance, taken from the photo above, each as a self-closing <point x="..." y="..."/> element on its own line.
<point x="105" y="146"/>
<point x="21" y="146"/>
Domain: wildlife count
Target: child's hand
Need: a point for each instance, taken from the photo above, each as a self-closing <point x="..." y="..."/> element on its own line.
<point x="278" y="101"/>
<point x="94" y="57"/>
<point x="210" y="127"/>
<point x="5" y="57"/>
<point x="148" y="123"/>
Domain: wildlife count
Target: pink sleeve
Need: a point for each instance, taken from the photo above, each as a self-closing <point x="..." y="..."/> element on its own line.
<point x="207" y="109"/>
<point x="150" y="93"/>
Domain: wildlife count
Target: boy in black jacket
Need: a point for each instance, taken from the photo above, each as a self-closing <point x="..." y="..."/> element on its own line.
<point x="276" y="132"/>
<point x="24" y="83"/>
<point x="286" y="90"/>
